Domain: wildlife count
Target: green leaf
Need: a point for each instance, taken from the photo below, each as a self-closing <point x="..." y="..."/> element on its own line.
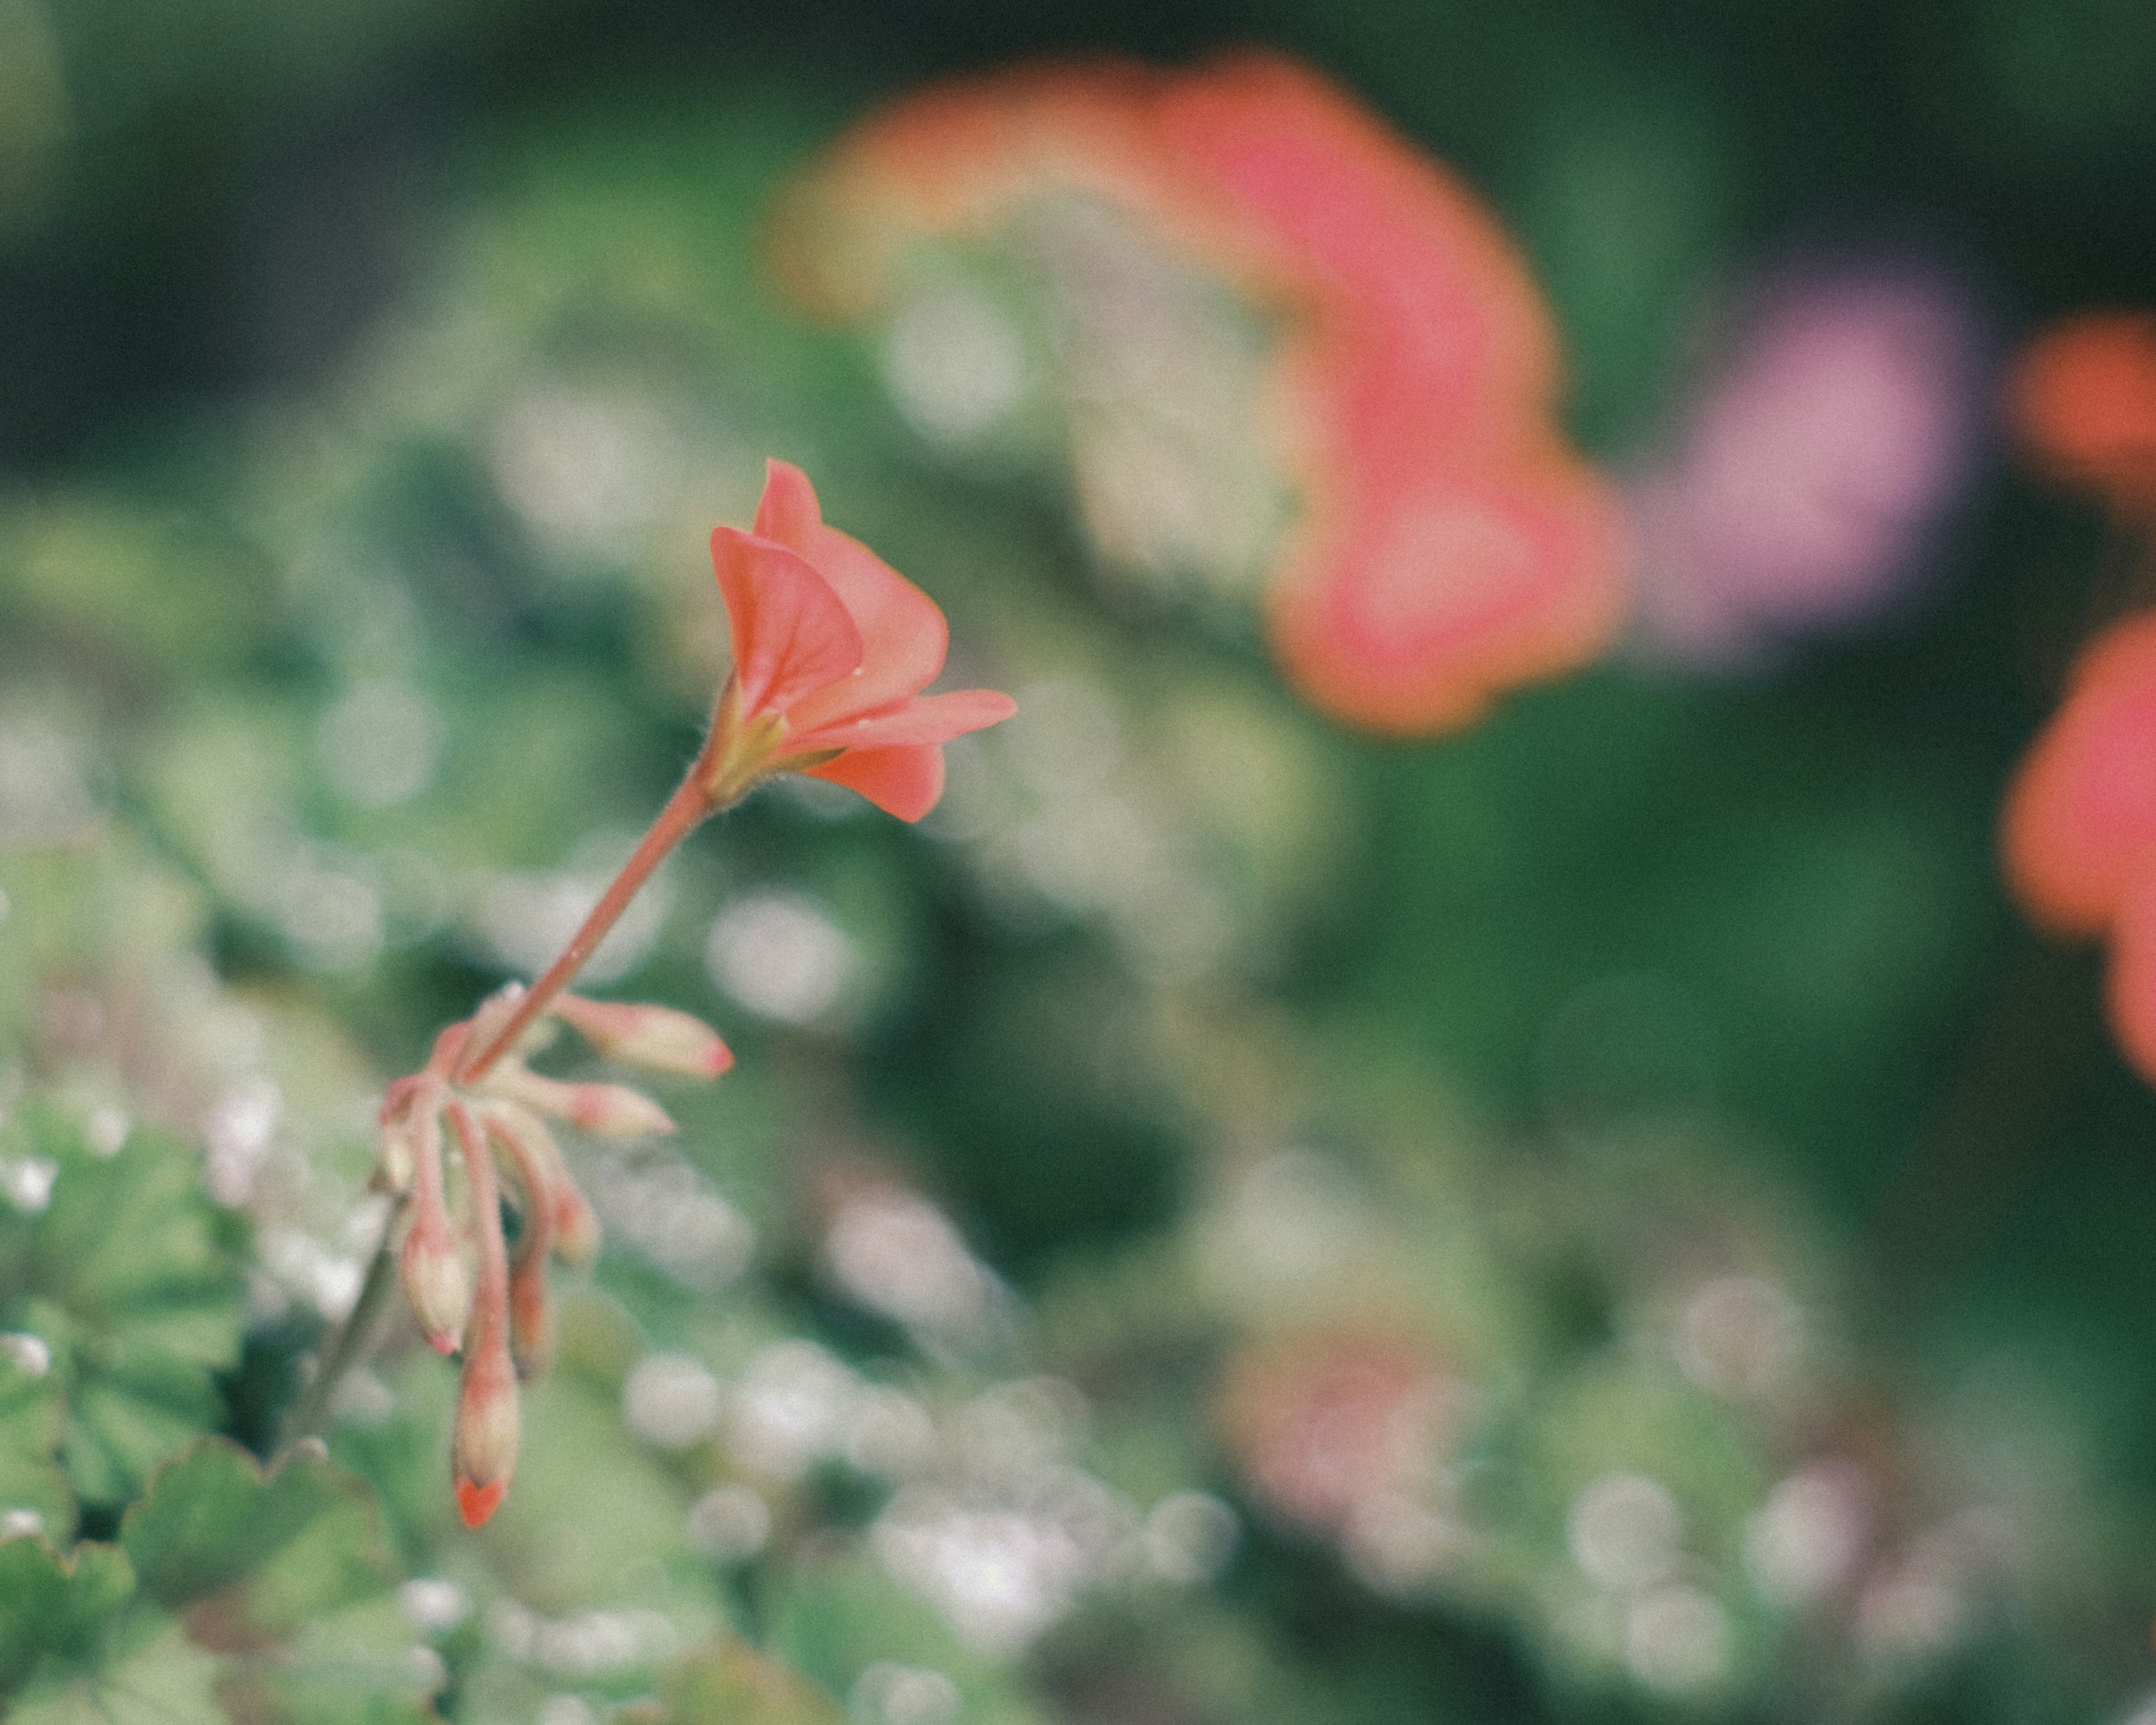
<point x="160" y="1678"/>
<point x="56" y="1612"/>
<point x="234" y="1598"/>
<point x="32" y="1481"/>
<point x="132" y="1276"/>
<point x="287" y="1576"/>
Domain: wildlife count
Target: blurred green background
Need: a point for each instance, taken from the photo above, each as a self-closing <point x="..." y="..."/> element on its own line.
<point x="1610" y="1215"/>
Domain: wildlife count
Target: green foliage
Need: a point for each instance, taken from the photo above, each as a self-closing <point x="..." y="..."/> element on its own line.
<point x="1209" y="1028"/>
<point x="133" y="1279"/>
<point x="33" y="1417"/>
<point x="234" y="1597"/>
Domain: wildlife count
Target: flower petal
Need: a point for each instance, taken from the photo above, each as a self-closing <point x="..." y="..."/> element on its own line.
<point x="792" y="633"/>
<point x="903" y="781"/>
<point x="903" y="634"/>
<point x="926" y="718"/>
<point x="2080" y="819"/>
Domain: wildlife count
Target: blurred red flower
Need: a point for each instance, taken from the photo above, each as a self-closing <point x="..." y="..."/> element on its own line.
<point x="1448" y="545"/>
<point x="2078" y="834"/>
<point x="2080" y="819"/>
<point x="1326" y="1422"/>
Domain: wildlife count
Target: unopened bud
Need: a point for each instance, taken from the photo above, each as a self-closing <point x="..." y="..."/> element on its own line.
<point x="430" y="1266"/>
<point x="613" y="1111"/>
<point x="655" y="1036"/>
<point x="484" y="1455"/>
<point x="433" y="1272"/>
<point x="575" y="1230"/>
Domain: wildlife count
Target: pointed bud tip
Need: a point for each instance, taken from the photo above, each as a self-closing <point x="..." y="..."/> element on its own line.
<point x="442" y="1343"/>
<point x="475" y="1503"/>
<point x="659" y="1037"/>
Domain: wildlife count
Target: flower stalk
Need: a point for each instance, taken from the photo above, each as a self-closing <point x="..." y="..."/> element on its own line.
<point x="831" y="648"/>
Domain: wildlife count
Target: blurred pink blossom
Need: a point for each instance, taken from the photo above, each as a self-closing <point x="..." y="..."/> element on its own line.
<point x="1834" y="426"/>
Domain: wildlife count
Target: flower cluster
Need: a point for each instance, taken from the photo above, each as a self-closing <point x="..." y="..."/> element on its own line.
<point x="831" y="648"/>
<point x="497" y="1111"/>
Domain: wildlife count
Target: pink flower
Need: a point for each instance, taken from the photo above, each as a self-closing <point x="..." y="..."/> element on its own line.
<point x="1814" y="468"/>
<point x="832" y="649"/>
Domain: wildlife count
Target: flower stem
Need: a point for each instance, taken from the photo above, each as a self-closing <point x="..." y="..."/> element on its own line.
<point x="685" y="810"/>
<point x="311" y="1414"/>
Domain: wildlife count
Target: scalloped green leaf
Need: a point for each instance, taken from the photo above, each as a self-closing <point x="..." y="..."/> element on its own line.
<point x="287" y="1577"/>
<point x="58" y="1615"/>
<point x="134" y="1279"/>
<point x="32" y="1481"/>
<point x="234" y="1597"/>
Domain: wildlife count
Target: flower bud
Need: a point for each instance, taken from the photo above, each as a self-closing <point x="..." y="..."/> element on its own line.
<point x="484" y="1454"/>
<point x="616" y="1110"/>
<point x="611" y="1110"/>
<point x="434" y="1281"/>
<point x="574" y="1229"/>
<point x="430" y="1266"/>
<point x="655" y="1036"/>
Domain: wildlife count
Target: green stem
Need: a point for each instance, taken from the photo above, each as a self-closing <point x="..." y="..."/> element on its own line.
<point x="311" y="1416"/>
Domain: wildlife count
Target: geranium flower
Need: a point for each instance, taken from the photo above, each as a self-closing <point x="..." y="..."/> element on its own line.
<point x="832" y="649"/>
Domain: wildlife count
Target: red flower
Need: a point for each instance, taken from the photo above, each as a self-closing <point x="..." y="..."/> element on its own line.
<point x="2078" y="834"/>
<point x="2080" y="822"/>
<point x="1448" y="545"/>
<point x="831" y="648"/>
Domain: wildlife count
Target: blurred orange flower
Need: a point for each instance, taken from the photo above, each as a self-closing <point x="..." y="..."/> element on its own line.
<point x="2083" y="401"/>
<point x="1447" y="544"/>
